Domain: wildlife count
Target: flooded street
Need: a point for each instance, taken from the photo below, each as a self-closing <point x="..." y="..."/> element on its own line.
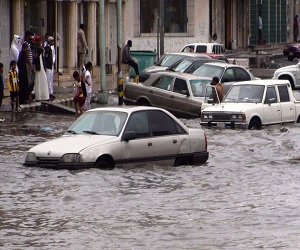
<point x="246" y="196"/>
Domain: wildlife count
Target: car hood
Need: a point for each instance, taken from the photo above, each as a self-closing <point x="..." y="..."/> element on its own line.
<point x="69" y="144"/>
<point x="287" y="68"/>
<point x="229" y="107"/>
<point x="154" y="68"/>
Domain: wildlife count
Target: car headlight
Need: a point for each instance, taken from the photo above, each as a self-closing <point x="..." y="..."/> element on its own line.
<point x="205" y="116"/>
<point x="70" y="158"/>
<point x="237" y="116"/>
<point x="210" y="116"/>
<point x="30" y="157"/>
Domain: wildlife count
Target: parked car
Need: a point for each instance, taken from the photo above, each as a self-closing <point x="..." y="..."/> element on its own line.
<point x="180" y="93"/>
<point x="253" y="104"/>
<point x="117" y="136"/>
<point x="291" y="73"/>
<point x="227" y="73"/>
<point x="292" y="51"/>
<point x="214" y="48"/>
<point x="166" y="61"/>
<point x="189" y="65"/>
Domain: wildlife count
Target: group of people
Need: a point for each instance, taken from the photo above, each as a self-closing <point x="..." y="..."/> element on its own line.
<point x="31" y="69"/>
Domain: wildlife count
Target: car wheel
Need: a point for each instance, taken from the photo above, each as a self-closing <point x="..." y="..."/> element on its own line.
<point x="101" y="164"/>
<point x="181" y="161"/>
<point x="143" y="102"/>
<point x="291" y="58"/>
<point x="255" y="124"/>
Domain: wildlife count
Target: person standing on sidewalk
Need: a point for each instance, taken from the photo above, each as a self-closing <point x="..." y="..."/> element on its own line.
<point x="49" y="66"/>
<point x="80" y="95"/>
<point x="89" y="85"/>
<point x="296" y="28"/>
<point x="82" y="48"/>
<point x="13" y="86"/>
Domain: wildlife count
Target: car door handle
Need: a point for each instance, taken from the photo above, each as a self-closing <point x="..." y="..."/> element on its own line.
<point x="171" y="96"/>
<point x="149" y="144"/>
<point x="278" y="110"/>
<point x="174" y="141"/>
<point x="151" y="92"/>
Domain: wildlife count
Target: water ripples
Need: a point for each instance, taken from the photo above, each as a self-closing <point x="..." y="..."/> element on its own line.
<point x="245" y="196"/>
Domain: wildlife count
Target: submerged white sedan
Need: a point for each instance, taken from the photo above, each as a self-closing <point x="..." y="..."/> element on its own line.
<point x="116" y="136"/>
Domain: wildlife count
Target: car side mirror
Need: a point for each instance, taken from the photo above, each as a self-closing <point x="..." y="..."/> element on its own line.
<point x="128" y="135"/>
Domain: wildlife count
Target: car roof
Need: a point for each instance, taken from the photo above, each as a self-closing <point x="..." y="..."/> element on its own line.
<point x="185" y="75"/>
<point x="222" y="64"/>
<point x="127" y="109"/>
<point x="196" y="44"/>
<point x="188" y="54"/>
<point x="267" y="82"/>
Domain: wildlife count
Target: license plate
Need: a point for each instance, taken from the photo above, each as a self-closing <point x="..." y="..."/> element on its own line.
<point x="291" y="53"/>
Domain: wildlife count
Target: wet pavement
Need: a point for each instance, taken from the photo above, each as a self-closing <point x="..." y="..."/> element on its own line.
<point x="246" y="196"/>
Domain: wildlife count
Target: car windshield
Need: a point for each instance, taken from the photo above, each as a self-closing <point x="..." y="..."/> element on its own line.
<point x="99" y="123"/>
<point x="209" y="71"/>
<point x="245" y="93"/>
<point x="168" y="60"/>
<point x="199" y="87"/>
<point x="182" y="66"/>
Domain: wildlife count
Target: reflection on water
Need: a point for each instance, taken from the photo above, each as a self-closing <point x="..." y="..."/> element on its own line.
<point x="246" y="196"/>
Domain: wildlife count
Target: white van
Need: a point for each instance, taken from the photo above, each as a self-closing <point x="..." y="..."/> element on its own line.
<point x="211" y="48"/>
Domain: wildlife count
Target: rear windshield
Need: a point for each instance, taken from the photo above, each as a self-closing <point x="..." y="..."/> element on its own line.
<point x="168" y="60"/>
<point x="209" y="71"/>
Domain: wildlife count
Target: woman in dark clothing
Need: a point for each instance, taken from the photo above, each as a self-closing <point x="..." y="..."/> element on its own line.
<point x="23" y="79"/>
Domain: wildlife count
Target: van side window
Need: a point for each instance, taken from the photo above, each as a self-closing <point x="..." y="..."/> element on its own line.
<point x="283" y="94"/>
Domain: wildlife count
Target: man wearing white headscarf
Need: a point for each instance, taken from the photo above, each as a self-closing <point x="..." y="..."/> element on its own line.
<point x="15" y="48"/>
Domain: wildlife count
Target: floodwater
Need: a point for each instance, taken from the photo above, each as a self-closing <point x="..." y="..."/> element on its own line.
<point x="246" y="196"/>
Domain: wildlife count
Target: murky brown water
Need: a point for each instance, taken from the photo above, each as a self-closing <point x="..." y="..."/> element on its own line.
<point x="246" y="196"/>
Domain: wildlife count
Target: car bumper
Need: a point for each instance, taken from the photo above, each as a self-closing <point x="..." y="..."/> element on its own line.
<point x="200" y="158"/>
<point x="68" y="166"/>
<point x="291" y="53"/>
<point x="225" y="124"/>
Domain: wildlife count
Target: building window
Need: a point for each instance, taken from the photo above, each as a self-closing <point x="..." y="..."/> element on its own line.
<point x="175" y="16"/>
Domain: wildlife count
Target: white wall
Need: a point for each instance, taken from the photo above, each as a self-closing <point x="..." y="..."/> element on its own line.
<point x="198" y="13"/>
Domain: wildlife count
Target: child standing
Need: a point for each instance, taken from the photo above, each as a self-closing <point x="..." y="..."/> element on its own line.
<point x="80" y="95"/>
<point x="88" y="84"/>
<point x="1" y="85"/>
<point x="13" y="86"/>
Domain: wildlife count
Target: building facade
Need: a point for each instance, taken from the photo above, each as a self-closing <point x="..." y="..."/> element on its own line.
<point x="184" y="21"/>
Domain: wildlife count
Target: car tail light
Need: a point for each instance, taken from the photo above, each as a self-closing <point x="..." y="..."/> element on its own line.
<point x="205" y="141"/>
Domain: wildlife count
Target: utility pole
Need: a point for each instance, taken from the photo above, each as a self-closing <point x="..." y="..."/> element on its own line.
<point x="102" y="95"/>
<point x="162" y="27"/>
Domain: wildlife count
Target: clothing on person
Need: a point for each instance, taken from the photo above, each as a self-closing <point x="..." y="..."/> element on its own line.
<point x="217" y="93"/>
<point x="89" y="86"/>
<point x="41" y="89"/>
<point x="23" y="65"/>
<point x="81" y="46"/>
<point x="79" y="97"/>
<point x="296" y="28"/>
<point x="1" y="84"/>
<point x="260" y="28"/>
<point x="13" y="86"/>
<point x="127" y="59"/>
<point x="15" y="48"/>
<point x="48" y="55"/>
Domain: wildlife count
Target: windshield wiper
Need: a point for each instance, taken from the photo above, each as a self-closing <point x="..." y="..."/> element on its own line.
<point x="71" y="132"/>
<point x="90" y="132"/>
